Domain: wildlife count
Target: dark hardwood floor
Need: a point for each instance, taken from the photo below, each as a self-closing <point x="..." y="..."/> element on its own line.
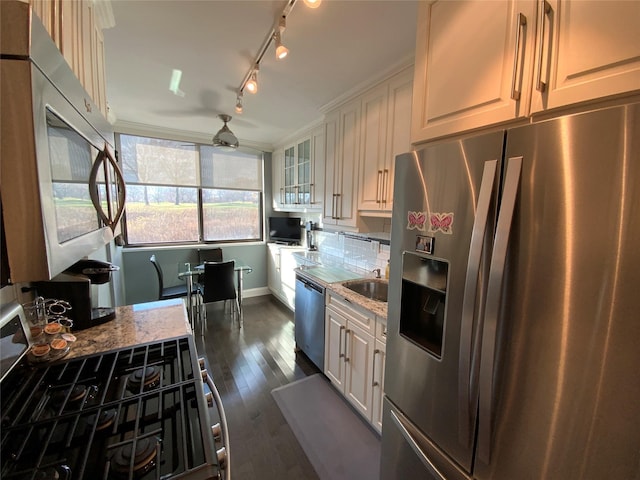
<point x="246" y="364"/>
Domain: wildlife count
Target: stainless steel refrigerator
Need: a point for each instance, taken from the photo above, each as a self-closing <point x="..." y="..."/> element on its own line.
<point x="513" y="348"/>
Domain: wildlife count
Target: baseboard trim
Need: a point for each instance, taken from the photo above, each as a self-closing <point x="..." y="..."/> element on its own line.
<point x="256" y="292"/>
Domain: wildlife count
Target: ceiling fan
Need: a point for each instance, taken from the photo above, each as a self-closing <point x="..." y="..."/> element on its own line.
<point x="225" y="137"/>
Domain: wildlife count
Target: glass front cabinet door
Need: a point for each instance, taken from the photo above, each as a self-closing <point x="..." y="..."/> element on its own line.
<point x="298" y="188"/>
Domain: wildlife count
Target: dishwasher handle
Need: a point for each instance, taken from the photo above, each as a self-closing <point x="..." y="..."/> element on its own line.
<point x="309" y="285"/>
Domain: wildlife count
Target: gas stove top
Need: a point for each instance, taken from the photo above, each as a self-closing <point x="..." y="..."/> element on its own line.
<point x="135" y="413"/>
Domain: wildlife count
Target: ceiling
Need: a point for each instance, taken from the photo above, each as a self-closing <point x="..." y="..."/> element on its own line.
<point x="335" y="49"/>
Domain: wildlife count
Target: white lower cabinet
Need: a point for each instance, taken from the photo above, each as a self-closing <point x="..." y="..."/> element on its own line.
<point x="358" y="361"/>
<point x="335" y="326"/>
<point x="354" y="358"/>
<point x="281" y="275"/>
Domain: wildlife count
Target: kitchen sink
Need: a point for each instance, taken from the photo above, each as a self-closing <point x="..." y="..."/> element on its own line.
<point x="373" y="289"/>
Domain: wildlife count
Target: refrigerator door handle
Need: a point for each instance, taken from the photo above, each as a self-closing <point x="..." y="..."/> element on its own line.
<point x="469" y="351"/>
<point x="416" y="448"/>
<point x="492" y="309"/>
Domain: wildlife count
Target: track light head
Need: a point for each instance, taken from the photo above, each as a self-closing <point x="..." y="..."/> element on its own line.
<point x="281" y="50"/>
<point x="239" y="107"/>
<point x="252" y="83"/>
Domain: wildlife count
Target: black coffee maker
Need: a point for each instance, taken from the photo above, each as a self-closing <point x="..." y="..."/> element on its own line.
<point x="74" y="286"/>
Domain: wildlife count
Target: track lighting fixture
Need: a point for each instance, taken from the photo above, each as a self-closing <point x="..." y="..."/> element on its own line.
<point x="252" y="83"/>
<point x="239" y="103"/>
<point x="250" y="80"/>
<point x="281" y="50"/>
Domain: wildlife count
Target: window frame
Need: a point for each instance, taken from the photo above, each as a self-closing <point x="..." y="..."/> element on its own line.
<point x="199" y="198"/>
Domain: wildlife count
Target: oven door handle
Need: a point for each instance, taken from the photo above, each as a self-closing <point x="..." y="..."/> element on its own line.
<point x="223" y="453"/>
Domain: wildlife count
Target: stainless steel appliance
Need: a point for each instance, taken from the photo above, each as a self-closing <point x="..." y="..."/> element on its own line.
<point x="138" y="412"/>
<point x="310" y="228"/>
<point x="513" y="306"/>
<point x="62" y="190"/>
<point x="309" y="319"/>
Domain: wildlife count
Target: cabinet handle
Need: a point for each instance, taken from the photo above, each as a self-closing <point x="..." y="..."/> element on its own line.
<point x="297" y="202"/>
<point x="346" y="344"/>
<point x="385" y="181"/>
<point x="374" y="383"/>
<point x="544" y="12"/>
<point x="312" y="192"/>
<point x="340" y="341"/>
<point x="379" y="187"/>
<point x="338" y="201"/>
<point x="333" y="206"/>
<point x="522" y="22"/>
<point x="282" y="196"/>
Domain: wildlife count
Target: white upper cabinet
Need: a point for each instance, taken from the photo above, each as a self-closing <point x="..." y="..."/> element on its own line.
<point x="484" y="63"/>
<point x="385" y="133"/>
<point x="473" y="63"/>
<point x="341" y="165"/>
<point x="372" y="151"/>
<point x="586" y="50"/>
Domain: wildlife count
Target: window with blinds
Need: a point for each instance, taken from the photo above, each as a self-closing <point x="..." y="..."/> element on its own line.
<point x="179" y="192"/>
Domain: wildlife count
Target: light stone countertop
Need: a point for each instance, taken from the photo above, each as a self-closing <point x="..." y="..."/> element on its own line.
<point x="133" y="325"/>
<point x="374" y="306"/>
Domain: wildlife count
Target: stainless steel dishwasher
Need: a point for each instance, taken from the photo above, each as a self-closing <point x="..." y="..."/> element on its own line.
<point x="309" y="319"/>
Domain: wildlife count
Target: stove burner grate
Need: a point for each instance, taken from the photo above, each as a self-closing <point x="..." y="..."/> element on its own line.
<point x="105" y="419"/>
<point x="81" y="412"/>
<point x="143" y="456"/>
<point x="76" y="393"/>
<point x="147" y="377"/>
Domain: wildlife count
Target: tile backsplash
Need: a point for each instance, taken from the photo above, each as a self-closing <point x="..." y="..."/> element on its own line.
<point x="352" y="252"/>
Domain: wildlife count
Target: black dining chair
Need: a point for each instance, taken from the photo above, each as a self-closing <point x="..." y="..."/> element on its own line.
<point x="165" y="293"/>
<point x="209" y="255"/>
<point x="218" y="285"/>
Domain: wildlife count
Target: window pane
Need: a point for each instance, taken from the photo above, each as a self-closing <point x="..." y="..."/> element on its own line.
<point x="71" y="158"/>
<point x="167" y="195"/>
<point x="158" y="161"/>
<point x="231" y="215"/>
<point x="230" y="170"/>
<point x="157" y="214"/>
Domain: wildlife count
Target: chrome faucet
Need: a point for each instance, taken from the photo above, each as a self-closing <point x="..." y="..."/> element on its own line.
<point x="377" y="272"/>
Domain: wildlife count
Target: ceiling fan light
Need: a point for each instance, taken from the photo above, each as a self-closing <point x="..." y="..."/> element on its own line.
<point x="312" y="3"/>
<point x="225" y="137"/>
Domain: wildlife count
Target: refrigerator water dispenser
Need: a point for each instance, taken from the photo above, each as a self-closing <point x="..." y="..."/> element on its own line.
<point x="423" y="300"/>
